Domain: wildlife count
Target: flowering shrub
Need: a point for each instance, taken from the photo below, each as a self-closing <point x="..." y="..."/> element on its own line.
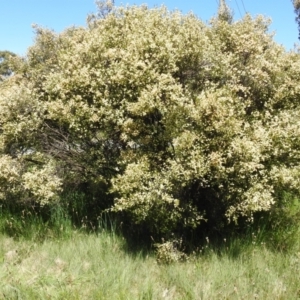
<point x="170" y="252"/>
<point x="182" y="121"/>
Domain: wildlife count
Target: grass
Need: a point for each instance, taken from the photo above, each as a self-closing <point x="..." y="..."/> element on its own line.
<point x="53" y="260"/>
<point x="99" y="266"/>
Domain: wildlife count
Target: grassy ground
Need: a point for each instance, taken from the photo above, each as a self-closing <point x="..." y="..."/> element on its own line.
<point x="53" y="260"/>
<point x="99" y="266"/>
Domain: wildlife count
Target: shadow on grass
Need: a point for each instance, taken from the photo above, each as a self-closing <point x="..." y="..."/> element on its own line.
<point x="278" y="230"/>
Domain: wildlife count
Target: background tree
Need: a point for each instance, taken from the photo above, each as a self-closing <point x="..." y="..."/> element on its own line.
<point x="224" y="12"/>
<point x="104" y="7"/>
<point x="5" y="67"/>
<point x="296" y="4"/>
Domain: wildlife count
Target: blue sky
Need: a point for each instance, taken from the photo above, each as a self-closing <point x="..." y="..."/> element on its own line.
<point x="16" y="33"/>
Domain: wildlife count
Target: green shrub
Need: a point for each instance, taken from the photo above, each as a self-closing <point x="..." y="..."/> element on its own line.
<point x="179" y="121"/>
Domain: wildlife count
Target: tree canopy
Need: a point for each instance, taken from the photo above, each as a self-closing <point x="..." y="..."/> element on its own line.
<point x="177" y="121"/>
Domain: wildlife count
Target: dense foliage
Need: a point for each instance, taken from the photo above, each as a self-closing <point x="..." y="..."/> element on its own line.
<point x="179" y="121"/>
